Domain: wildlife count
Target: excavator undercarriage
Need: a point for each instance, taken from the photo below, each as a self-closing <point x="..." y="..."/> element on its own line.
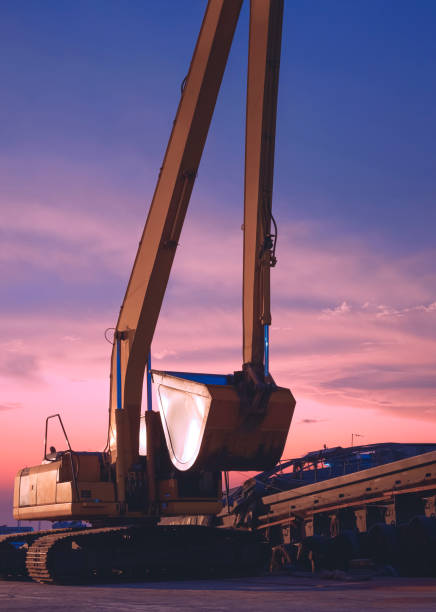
<point x="130" y="552"/>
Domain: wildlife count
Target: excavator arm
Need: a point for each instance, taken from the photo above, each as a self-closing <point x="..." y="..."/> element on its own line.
<point x="259" y="244"/>
<point x="145" y="292"/>
<point x="251" y="434"/>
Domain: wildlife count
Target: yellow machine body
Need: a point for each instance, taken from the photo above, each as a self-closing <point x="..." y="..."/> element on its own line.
<point x="77" y="486"/>
<point x="205" y="426"/>
<point x="49" y="491"/>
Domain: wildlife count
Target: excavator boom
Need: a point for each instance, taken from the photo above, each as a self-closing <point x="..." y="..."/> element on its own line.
<point x="145" y="292"/>
<point x="206" y="423"/>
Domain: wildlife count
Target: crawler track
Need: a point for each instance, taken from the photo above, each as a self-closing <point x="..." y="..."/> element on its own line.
<point x="13" y="549"/>
<point x="136" y="552"/>
<point x="62" y="557"/>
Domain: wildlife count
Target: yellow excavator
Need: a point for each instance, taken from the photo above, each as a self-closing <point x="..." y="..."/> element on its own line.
<point x="207" y="424"/>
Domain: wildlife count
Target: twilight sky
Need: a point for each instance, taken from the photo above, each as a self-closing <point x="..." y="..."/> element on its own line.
<point x="89" y="92"/>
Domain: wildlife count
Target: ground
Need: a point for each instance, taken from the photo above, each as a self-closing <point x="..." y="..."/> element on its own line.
<point x="252" y="594"/>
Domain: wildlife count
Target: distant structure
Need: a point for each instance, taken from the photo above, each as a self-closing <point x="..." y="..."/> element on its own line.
<point x="5" y="529"/>
<point x="324" y="464"/>
<point x="69" y="525"/>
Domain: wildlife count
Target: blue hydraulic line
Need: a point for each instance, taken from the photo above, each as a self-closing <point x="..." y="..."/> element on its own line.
<point x="266" y="343"/>
<point x="149" y="395"/>
<point x="119" y="405"/>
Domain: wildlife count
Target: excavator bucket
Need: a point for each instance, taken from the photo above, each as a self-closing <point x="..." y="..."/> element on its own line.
<point x="206" y="427"/>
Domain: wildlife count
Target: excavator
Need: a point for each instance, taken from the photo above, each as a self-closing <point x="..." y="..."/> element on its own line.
<point x="207" y="424"/>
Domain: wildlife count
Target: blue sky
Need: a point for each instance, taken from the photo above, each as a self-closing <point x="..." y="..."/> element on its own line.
<point x="357" y="120"/>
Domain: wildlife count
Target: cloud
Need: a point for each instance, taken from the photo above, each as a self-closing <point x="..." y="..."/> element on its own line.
<point x="342" y="309"/>
<point x="20" y="366"/>
<point x="11" y="406"/>
<point x="381" y="380"/>
<point x="388" y="311"/>
<point x="66" y="241"/>
<point x="329" y="342"/>
<point x="163" y="353"/>
<point x="311" y="421"/>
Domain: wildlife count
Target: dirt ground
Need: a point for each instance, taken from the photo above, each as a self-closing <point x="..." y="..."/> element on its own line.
<point x="252" y="594"/>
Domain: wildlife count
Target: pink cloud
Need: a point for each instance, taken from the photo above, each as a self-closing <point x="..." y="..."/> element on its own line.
<point x="67" y="241"/>
<point x="353" y="335"/>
